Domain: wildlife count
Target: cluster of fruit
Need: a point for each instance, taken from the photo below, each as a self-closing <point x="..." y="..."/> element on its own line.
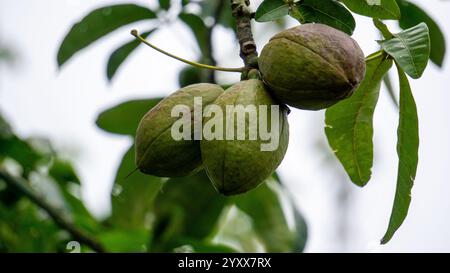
<point x="310" y="67"/>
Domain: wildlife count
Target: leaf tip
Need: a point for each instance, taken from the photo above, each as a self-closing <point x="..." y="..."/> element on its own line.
<point x="385" y="239"/>
<point x="361" y="181"/>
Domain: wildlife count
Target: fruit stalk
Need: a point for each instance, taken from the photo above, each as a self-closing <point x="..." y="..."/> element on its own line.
<point x="136" y="34"/>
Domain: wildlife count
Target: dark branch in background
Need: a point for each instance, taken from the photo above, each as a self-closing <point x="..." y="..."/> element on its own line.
<point x="59" y="219"/>
<point x="243" y="15"/>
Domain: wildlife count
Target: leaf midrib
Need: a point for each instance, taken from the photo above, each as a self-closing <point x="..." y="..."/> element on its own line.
<point x="411" y="59"/>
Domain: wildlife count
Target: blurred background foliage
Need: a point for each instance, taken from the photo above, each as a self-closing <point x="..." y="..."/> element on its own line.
<point x="40" y="205"/>
<point x="41" y="209"/>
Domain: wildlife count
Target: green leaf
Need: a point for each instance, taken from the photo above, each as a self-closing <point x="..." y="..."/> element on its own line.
<point x="263" y="205"/>
<point x="415" y="15"/>
<point x="133" y="195"/>
<point x="271" y="10"/>
<point x="67" y="180"/>
<point x="381" y="9"/>
<point x="97" y="24"/>
<point x="121" y="54"/>
<point x="6" y="55"/>
<point x="410" y="49"/>
<point x="221" y="10"/>
<point x="407" y="150"/>
<point x="186" y="206"/>
<point x="349" y="124"/>
<point x="384" y="30"/>
<point x="124" y="118"/>
<point x="164" y="4"/>
<point x="328" y="12"/>
<point x="63" y="172"/>
<point x="295" y="13"/>
<point x="189" y="75"/>
<point x="23" y="228"/>
<point x="199" y="29"/>
<point x="79" y="214"/>
<point x="199" y="246"/>
<point x="119" y="240"/>
<point x="5" y="128"/>
<point x="388" y="83"/>
<point x="22" y="152"/>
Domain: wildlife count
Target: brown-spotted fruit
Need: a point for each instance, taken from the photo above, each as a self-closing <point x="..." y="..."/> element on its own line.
<point x="312" y="66"/>
<point x="243" y="159"/>
<point x="157" y="152"/>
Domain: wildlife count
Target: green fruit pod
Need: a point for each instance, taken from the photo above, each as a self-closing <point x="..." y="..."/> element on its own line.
<point x="157" y="152"/>
<point x="312" y="66"/>
<point x="238" y="165"/>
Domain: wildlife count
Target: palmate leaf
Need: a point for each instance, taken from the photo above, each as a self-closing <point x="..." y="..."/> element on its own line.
<point x="121" y="54"/>
<point x="328" y="12"/>
<point x="407" y="150"/>
<point x="124" y="118"/>
<point x="271" y="10"/>
<point x="410" y="49"/>
<point x="97" y="24"/>
<point x="414" y="15"/>
<point x="349" y="124"/>
<point x="381" y="9"/>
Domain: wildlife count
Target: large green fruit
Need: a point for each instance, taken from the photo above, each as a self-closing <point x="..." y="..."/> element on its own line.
<point x="157" y="152"/>
<point x="236" y="166"/>
<point x="312" y="66"/>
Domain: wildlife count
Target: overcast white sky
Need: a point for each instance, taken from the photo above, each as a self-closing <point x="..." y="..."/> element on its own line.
<point x="39" y="100"/>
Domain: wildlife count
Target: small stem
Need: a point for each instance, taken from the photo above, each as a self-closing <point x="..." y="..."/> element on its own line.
<point x="387" y="34"/>
<point x="59" y="219"/>
<point x="375" y="55"/>
<point x="199" y="65"/>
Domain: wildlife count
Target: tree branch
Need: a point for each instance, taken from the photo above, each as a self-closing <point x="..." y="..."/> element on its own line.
<point x="59" y="219"/>
<point x="243" y="15"/>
